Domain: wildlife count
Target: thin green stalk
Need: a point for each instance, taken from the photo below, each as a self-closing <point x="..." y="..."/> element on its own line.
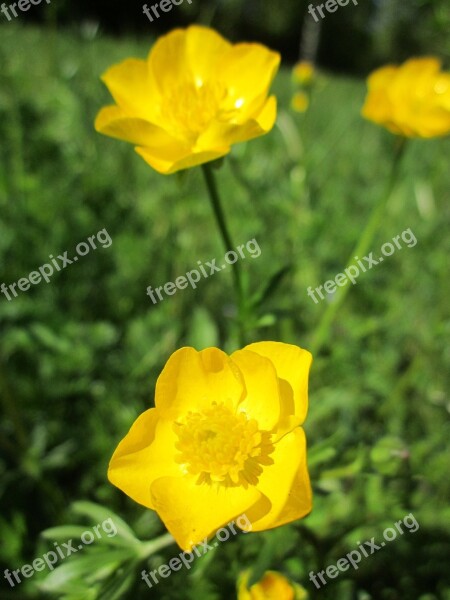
<point x="228" y="244"/>
<point x="149" y="548"/>
<point x="361" y="248"/>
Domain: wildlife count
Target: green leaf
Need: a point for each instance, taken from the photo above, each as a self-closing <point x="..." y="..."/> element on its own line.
<point x="266" y="321"/>
<point x="76" y="590"/>
<point x="323" y="451"/>
<point x="387" y="455"/>
<point x="118" y="584"/>
<point x="99" y="514"/>
<point x="63" y="533"/>
<point x="49" y="339"/>
<point x="348" y="470"/>
<point x="271" y="287"/>
<point x="320" y="456"/>
<point x="58" y="457"/>
<point x="89" y="568"/>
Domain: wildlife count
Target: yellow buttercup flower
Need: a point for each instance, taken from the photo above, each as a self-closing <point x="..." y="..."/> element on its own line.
<point x="223" y="440"/>
<point x="412" y="100"/>
<point x="194" y="96"/>
<point x="273" y="586"/>
<point x="300" y="102"/>
<point x="303" y="72"/>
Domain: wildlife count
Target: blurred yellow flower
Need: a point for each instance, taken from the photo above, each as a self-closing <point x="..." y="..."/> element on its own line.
<point x="273" y="586"/>
<point x="300" y="102"/>
<point x="194" y="96"/>
<point x="412" y="100"/>
<point x="303" y="72"/>
<point x="224" y="439"/>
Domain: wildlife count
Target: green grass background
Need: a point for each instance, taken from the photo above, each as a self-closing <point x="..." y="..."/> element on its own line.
<point x="79" y="357"/>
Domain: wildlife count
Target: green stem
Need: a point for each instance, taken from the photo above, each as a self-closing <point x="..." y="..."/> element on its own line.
<point x="228" y="244"/>
<point x="149" y="548"/>
<point x="360" y="249"/>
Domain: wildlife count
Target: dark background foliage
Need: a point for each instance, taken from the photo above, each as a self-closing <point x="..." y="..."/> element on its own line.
<point x="352" y="39"/>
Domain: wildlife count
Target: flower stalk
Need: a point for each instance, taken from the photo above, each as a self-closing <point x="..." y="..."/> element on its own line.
<point x="322" y="332"/>
<point x="149" y="548"/>
<point x="219" y="215"/>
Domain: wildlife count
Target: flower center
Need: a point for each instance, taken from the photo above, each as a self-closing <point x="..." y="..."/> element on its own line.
<point x="223" y="447"/>
<point x="190" y="107"/>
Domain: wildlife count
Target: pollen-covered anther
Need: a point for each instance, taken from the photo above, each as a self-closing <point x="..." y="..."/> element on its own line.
<point x="222" y="447"/>
<point x="191" y="107"/>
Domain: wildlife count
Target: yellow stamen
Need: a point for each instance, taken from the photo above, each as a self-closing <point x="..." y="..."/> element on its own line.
<point x="223" y="447"/>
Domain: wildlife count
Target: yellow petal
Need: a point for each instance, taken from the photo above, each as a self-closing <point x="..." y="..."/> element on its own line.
<point x="410" y="100"/>
<point x="242" y="586"/>
<point x="232" y="133"/>
<point x="267" y="116"/>
<point x="204" y="47"/>
<point x="292" y="365"/>
<point x="190" y="54"/>
<point x="377" y="107"/>
<point x="442" y="90"/>
<point x="194" y="96"/>
<point x="420" y="67"/>
<point x="286" y="483"/>
<point x="169" y="163"/>
<point x="262" y="400"/>
<point x="146" y="452"/>
<point x="192" y="381"/>
<point x="115" y="122"/>
<point x="247" y="70"/>
<point x="192" y="512"/>
<point x="382" y="77"/>
<point x="131" y="87"/>
<point x="432" y="122"/>
<point x="273" y="586"/>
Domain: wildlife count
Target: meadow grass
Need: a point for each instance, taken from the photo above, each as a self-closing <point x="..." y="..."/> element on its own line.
<point x="79" y="356"/>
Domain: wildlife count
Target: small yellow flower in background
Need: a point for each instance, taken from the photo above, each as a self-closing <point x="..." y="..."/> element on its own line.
<point x="412" y="100"/>
<point x="194" y="96"/>
<point x="223" y="440"/>
<point x="273" y="586"/>
<point x="300" y="102"/>
<point x="302" y="76"/>
<point x="303" y="72"/>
